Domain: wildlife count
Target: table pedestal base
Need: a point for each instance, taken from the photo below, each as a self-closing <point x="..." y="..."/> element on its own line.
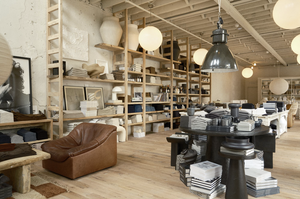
<point x="236" y="183"/>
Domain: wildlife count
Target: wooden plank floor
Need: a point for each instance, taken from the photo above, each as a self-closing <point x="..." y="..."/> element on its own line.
<point x="143" y="171"/>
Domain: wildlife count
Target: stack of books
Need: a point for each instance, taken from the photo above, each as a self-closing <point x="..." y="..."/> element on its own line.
<point x="206" y="179"/>
<point x="200" y="123"/>
<point x="260" y="183"/>
<point x="236" y="152"/>
<point x="136" y="68"/>
<point x="77" y="72"/>
<point x="257" y="162"/>
<point x="184" y="171"/>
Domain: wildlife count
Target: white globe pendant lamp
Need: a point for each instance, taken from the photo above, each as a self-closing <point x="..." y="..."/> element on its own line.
<point x="286" y="14"/>
<point x="279" y="86"/>
<point x="298" y="59"/>
<point x="247" y="72"/>
<point x="150" y="38"/>
<point x="296" y="44"/>
<point x="6" y="61"/>
<point x="199" y="56"/>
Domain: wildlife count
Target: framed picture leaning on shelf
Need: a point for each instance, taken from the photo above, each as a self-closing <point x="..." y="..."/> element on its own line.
<point x="95" y="94"/>
<point x="72" y="96"/>
<point x="15" y="93"/>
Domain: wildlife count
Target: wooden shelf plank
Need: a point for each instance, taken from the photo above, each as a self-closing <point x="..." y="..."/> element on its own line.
<point x="153" y="84"/>
<point x="194" y="95"/>
<point x="180" y="94"/>
<point x="134" y="72"/>
<point x="38" y="141"/>
<point x="93" y="117"/>
<point x="157" y="102"/>
<point x="136" y="124"/>
<point x="20" y="124"/>
<point x="205" y="95"/>
<point x="109" y="47"/>
<point x="138" y="83"/>
<point x="176" y="118"/>
<point x="179" y="71"/>
<point x="158" y="75"/>
<point x="164" y="120"/>
<point x="114" y="104"/>
<point x="93" y="80"/>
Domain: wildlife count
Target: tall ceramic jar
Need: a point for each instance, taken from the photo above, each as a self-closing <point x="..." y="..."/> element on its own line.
<point x="133" y="37"/>
<point x="111" y="31"/>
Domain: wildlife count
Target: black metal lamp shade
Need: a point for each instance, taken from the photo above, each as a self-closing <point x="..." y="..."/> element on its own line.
<point x="219" y="58"/>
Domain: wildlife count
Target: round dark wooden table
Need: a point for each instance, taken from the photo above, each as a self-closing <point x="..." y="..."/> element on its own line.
<point x="214" y="140"/>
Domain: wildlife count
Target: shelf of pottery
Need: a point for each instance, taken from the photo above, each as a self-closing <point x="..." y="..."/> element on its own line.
<point x="292" y="94"/>
<point x="144" y="94"/>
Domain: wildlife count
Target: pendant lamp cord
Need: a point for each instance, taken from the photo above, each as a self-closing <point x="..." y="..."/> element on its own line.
<point x="220" y="21"/>
<point x="150" y="5"/>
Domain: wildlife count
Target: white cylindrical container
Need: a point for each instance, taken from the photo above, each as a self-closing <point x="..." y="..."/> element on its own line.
<point x="133" y="37"/>
<point x="111" y="31"/>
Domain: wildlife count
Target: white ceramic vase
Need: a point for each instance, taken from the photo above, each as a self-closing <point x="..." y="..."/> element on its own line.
<point x="133" y="36"/>
<point x="111" y="31"/>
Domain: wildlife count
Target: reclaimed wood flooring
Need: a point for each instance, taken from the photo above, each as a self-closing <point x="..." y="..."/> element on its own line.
<point x="143" y="171"/>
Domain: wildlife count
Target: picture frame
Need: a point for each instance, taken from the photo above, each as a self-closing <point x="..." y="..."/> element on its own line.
<point x="16" y="92"/>
<point x="138" y="97"/>
<point x="95" y="94"/>
<point x="72" y="96"/>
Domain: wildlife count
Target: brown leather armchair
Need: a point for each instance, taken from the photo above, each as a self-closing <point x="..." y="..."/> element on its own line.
<point x="88" y="148"/>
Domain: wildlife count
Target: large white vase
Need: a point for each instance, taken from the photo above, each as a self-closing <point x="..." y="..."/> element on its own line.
<point x="133" y="36"/>
<point x="111" y="31"/>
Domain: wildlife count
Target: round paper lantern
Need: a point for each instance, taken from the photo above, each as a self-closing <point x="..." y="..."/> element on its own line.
<point x="150" y="38"/>
<point x="199" y="56"/>
<point x="247" y="72"/>
<point x="298" y="59"/>
<point x="279" y="86"/>
<point x="5" y="60"/>
<point x="296" y="44"/>
<point x="286" y="14"/>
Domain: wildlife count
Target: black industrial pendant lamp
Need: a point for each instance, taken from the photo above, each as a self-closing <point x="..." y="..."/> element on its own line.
<point x="219" y="58"/>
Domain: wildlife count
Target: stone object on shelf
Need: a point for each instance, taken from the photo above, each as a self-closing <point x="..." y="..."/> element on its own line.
<point x="6" y="117"/>
<point x="93" y="70"/>
<point x="151" y="70"/>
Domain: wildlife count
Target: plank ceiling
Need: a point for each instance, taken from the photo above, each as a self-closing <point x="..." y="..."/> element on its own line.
<point x="253" y="35"/>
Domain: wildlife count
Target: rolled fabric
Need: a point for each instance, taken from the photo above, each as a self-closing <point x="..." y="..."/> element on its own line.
<point x="7" y="147"/>
<point x="40" y="133"/>
<point x="4" y="138"/>
<point x="28" y="136"/>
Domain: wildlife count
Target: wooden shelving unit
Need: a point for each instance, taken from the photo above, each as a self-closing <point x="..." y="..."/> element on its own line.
<point x="125" y="51"/>
<point x="46" y="124"/>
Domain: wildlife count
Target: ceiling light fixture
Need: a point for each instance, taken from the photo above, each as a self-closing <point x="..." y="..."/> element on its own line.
<point x="150" y="38"/>
<point x="219" y="58"/>
<point x="247" y="72"/>
<point x="286" y="14"/>
<point x="296" y="44"/>
<point x="6" y="61"/>
<point x="298" y="59"/>
<point x="279" y="85"/>
<point x="254" y="64"/>
<point x="199" y="56"/>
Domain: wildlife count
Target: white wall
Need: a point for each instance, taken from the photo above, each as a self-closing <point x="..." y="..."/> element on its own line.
<point x="227" y="86"/>
<point x="23" y="24"/>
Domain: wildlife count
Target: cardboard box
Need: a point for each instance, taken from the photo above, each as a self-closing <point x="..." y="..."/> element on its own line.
<point x="150" y="79"/>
